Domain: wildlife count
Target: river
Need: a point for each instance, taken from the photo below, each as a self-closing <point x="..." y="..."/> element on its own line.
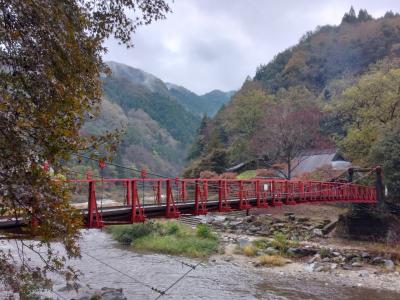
<point x="210" y="280"/>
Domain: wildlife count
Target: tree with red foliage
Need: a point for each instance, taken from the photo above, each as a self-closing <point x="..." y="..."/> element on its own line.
<point x="288" y="128"/>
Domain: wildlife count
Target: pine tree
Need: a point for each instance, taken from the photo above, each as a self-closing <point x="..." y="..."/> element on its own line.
<point x="350" y="17"/>
<point x="363" y="15"/>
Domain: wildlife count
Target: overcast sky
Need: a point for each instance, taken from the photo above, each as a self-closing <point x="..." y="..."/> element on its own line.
<point x="214" y="44"/>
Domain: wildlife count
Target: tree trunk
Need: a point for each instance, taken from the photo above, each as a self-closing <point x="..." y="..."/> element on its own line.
<point x="289" y="168"/>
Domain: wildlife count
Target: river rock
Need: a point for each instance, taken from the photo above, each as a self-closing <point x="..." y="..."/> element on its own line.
<point x="365" y="255"/>
<point x="318" y="232"/>
<point x="303" y="220"/>
<point x="377" y="260"/>
<point x="310" y="267"/>
<point x="347" y="267"/>
<point x="356" y="264"/>
<point x="315" y="258"/>
<point x="326" y="259"/>
<point x="225" y="239"/>
<point x="112" y="294"/>
<point x="389" y="265"/>
<point x="305" y="251"/>
<point x="70" y="287"/>
<point x="243" y="242"/>
<point x="254" y="229"/>
<point x="363" y="273"/>
<point x="291" y="216"/>
<point x="271" y="251"/>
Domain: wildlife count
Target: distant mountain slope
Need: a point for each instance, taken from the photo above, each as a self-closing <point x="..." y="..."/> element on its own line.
<point x="132" y="88"/>
<point x="160" y="124"/>
<point x="208" y="103"/>
<point x="331" y="52"/>
<point x="217" y="99"/>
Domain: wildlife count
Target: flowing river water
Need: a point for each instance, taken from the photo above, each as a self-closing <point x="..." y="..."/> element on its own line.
<point x="103" y="258"/>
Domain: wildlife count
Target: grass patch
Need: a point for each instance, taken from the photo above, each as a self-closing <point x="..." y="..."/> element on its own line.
<point x="279" y="242"/>
<point x="272" y="260"/>
<point x="282" y="243"/>
<point x="249" y="250"/>
<point x="261" y="243"/>
<point x="247" y="174"/>
<point x="324" y="252"/>
<point x="169" y="237"/>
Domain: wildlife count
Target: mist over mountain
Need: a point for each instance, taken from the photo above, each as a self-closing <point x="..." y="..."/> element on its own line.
<point x="161" y="119"/>
<point x="207" y="104"/>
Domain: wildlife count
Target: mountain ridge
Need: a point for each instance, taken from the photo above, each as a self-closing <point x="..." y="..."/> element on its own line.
<point x="159" y="127"/>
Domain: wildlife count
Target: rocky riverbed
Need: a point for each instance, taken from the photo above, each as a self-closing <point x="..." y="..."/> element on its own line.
<point x="316" y="254"/>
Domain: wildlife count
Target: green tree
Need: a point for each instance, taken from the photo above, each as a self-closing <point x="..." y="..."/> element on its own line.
<point x="386" y="152"/>
<point x="368" y="110"/>
<point x="350" y="17"/>
<point x="370" y="114"/>
<point x="50" y="65"/>
<point x="242" y="117"/>
<point x="363" y="15"/>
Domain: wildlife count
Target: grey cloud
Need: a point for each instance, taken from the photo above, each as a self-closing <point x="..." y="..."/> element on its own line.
<point x="215" y="44"/>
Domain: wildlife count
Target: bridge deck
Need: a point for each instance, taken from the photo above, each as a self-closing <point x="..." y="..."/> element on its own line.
<point x="153" y="198"/>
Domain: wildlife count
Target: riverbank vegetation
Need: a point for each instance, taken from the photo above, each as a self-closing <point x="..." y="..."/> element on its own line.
<point x="169" y="237"/>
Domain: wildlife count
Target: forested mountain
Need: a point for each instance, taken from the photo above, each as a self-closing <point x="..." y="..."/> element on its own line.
<point x="312" y="95"/>
<point x="159" y="124"/>
<point x="207" y="104"/>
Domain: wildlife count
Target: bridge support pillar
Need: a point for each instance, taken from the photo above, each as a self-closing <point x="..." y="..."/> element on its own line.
<point x="223" y="205"/>
<point x="94" y="219"/>
<point x="199" y="201"/>
<point x="171" y="210"/>
<point x="137" y="214"/>
<point x="128" y="193"/>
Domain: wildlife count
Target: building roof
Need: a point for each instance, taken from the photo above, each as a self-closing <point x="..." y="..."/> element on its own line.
<point x="236" y="167"/>
<point x="311" y="160"/>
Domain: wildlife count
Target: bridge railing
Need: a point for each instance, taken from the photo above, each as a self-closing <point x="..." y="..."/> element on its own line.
<point x="164" y="197"/>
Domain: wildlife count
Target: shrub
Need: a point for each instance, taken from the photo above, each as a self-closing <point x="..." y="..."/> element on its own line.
<point x="125" y="234"/>
<point x="261" y="243"/>
<point x="280" y="242"/>
<point x="249" y="250"/>
<point x="203" y="231"/>
<point x="272" y="260"/>
<point x="324" y="252"/>
<point x="172" y="228"/>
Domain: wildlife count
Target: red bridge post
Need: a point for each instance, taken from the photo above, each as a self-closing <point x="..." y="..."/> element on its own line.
<point x="137" y="214"/>
<point x="171" y="210"/>
<point x="128" y="193"/>
<point x="92" y="208"/>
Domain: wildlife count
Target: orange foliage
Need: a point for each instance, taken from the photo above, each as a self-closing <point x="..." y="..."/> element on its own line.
<point x="228" y="175"/>
<point x="209" y="175"/>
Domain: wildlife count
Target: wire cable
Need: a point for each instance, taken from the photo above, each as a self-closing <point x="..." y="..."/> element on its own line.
<point x="178" y="280"/>
<point x="127" y="275"/>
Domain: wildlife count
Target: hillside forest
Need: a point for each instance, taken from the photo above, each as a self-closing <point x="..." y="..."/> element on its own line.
<point x="157" y="122"/>
<point x="338" y="87"/>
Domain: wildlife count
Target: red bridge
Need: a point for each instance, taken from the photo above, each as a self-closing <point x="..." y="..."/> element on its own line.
<point x="136" y="199"/>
